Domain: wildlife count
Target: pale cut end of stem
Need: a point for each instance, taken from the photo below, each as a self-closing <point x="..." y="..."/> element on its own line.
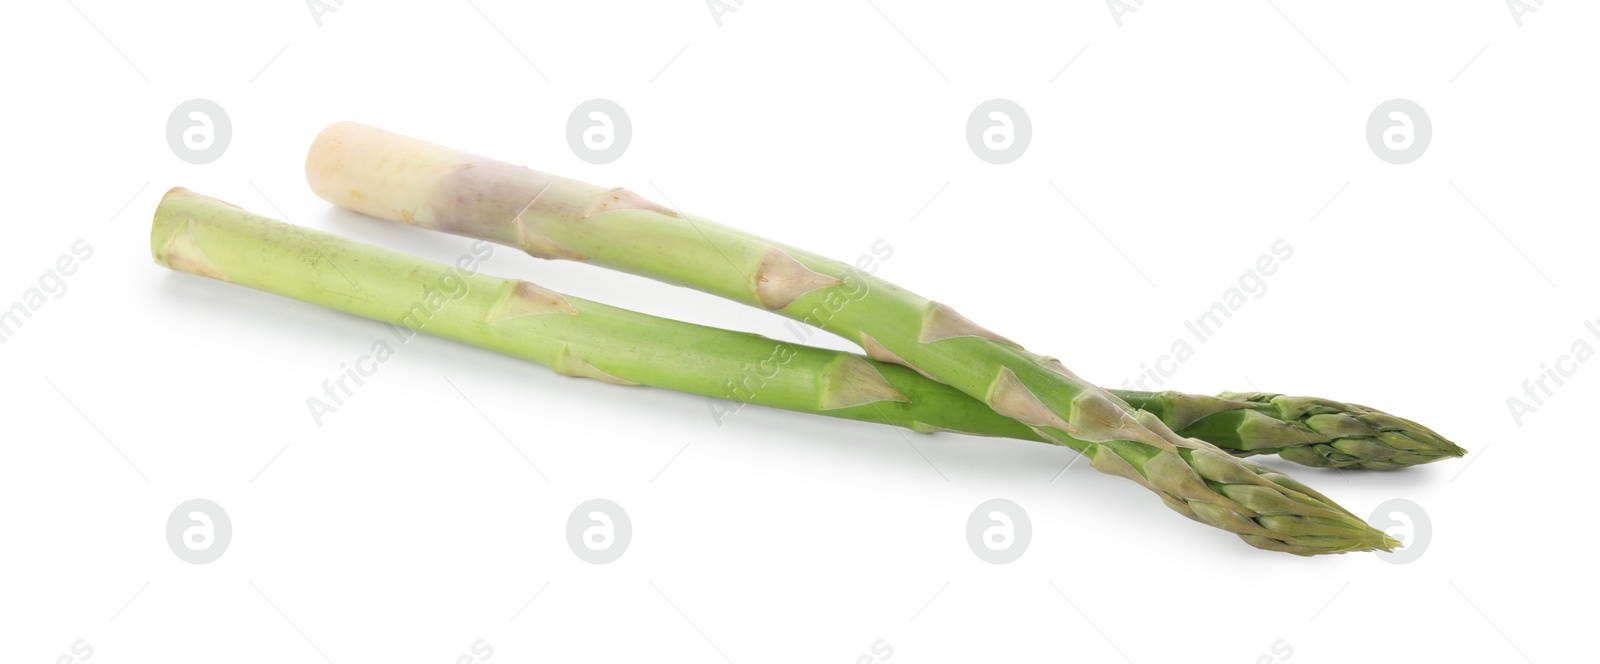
<point x="181" y="193"/>
<point x="396" y="177"/>
<point x="172" y="242"/>
<point x="378" y="172"/>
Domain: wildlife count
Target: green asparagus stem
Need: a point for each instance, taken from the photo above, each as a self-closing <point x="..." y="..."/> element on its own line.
<point x="201" y="235"/>
<point x="394" y="177"/>
<point x="1306" y="430"/>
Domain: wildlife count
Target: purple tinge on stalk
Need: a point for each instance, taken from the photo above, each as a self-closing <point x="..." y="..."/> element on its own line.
<point x="391" y="176"/>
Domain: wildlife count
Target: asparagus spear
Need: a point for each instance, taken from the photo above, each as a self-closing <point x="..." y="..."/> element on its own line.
<point x="1306" y="430"/>
<point x="394" y="177"/>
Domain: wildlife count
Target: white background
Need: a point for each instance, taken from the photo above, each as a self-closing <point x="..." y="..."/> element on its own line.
<point x="1190" y="137"/>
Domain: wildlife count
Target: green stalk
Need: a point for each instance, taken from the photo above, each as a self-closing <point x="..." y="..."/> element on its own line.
<point x="402" y="179"/>
<point x="201" y="235"/>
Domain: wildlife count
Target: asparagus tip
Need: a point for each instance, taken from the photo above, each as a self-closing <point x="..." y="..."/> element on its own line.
<point x="1357" y="436"/>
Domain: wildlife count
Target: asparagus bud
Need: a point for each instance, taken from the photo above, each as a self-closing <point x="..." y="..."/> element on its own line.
<point x="1306" y="430"/>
